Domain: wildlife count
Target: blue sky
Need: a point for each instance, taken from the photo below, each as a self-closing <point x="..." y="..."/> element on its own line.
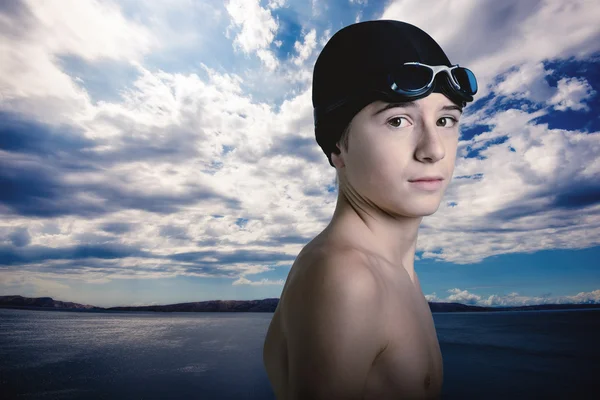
<point x="163" y="152"/>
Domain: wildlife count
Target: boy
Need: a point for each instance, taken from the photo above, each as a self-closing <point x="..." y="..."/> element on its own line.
<point x="352" y="321"/>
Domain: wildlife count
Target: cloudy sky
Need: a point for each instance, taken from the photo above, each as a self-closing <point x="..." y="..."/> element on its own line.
<point x="160" y="152"/>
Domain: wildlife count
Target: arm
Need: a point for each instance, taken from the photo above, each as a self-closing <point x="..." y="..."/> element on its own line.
<point x="334" y="330"/>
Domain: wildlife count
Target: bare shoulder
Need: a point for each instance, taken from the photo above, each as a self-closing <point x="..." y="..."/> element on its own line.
<point x="343" y="274"/>
<point x="333" y="321"/>
<point x="342" y="264"/>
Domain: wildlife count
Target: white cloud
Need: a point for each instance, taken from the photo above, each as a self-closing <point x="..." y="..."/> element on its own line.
<point x="571" y="94"/>
<point x="318" y="7"/>
<point x="508" y="202"/>
<point x="204" y="116"/>
<point x="305" y="49"/>
<point x="262" y="282"/>
<point x="514" y="299"/>
<point x="432" y="297"/>
<point x="268" y="59"/>
<point x="585" y="297"/>
<point x="526" y="82"/>
<point x="463" y="296"/>
<point x="474" y="35"/>
<point x="325" y="38"/>
<point x="31" y="81"/>
<point x="35" y="286"/>
<point x="275" y="170"/>
<point x="274" y="4"/>
<point x="258" y="29"/>
<point x="89" y="29"/>
<point x="511" y="201"/>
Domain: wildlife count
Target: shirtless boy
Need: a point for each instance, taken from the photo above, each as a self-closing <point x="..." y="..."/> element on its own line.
<point x="352" y="321"/>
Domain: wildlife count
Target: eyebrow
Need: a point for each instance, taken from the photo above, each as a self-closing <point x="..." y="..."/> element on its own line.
<point x="412" y="104"/>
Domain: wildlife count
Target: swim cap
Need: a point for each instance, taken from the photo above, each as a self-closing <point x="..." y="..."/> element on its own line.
<point x="351" y="72"/>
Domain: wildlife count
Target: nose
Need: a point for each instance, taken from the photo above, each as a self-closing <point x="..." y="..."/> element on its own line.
<point x="430" y="147"/>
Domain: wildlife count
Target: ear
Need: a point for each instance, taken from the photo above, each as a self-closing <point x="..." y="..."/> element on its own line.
<point x="338" y="159"/>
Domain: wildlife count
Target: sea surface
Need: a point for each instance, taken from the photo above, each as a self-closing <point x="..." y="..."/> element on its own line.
<point x="147" y="355"/>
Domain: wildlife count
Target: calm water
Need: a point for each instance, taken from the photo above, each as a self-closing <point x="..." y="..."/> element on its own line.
<point x="72" y="355"/>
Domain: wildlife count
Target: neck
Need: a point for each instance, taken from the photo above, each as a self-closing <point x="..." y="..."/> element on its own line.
<point x="393" y="237"/>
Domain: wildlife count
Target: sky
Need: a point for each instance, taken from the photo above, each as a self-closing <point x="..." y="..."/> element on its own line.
<point x="163" y="152"/>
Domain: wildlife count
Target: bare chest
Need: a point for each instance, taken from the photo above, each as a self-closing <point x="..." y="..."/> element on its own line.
<point x="411" y="365"/>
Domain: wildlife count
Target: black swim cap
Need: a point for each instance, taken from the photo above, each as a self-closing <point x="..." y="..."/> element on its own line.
<point x="351" y="72"/>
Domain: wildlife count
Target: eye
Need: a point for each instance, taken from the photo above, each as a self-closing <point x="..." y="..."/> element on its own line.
<point x="447" y="122"/>
<point x="396" y="122"/>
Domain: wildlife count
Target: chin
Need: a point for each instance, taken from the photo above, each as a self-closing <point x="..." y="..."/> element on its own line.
<point x="426" y="213"/>
<point x="422" y="209"/>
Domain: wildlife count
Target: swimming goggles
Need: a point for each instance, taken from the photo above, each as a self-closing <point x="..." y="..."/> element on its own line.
<point x="413" y="79"/>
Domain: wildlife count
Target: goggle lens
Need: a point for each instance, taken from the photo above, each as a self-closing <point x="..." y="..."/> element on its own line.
<point x="414" y="79"/>
<point x="466" y="80"/>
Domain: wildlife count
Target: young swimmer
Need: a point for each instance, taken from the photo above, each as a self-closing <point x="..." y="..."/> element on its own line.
<point x="352" y="321"/>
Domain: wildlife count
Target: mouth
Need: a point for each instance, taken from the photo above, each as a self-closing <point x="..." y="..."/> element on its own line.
<point x="427" y="179"/>
<point x="427" y="184"/>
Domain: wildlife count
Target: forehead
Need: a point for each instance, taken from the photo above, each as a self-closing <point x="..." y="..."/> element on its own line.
<point x="434" y="102"/>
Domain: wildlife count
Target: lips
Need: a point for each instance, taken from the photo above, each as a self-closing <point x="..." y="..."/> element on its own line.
<point x="427" y="179"/>
<point x="430" y="185"/>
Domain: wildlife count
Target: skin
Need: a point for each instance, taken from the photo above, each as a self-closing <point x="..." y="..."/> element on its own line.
<point x="386" y="149"/>
<point x="352" y="321"/>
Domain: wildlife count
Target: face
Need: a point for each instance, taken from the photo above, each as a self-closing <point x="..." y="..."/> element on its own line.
<point x="389" y="145"/>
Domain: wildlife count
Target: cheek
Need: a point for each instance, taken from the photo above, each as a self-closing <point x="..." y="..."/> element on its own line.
<point x="451" y="147"/>
<point x="375" y="166"/>
<point x="361" y="162"/>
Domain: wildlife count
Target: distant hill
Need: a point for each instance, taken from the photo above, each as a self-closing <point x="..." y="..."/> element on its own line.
<point x="41" y="302"/>
<point x="265" y="305"/>
<point x="458" y="307"/>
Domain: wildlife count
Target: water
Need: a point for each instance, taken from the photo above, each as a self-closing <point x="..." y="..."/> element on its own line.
<point x="134" y="355"/>
<point x="520" y="355"/>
